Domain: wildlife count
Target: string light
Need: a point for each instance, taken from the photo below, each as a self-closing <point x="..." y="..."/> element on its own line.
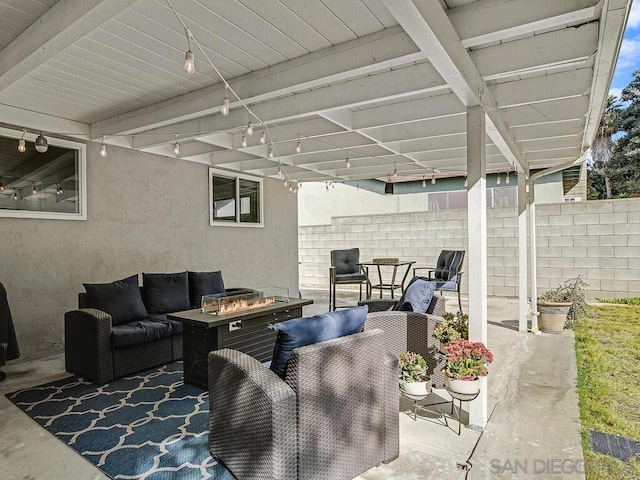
<point x="395" y="171"/>
<point x="41" y="143"/>
<point x="176" y="147"/>
<point x="506" y="180"/>
<point x="249" y="128"/>
<point x="224" y="109"/>
<point x="22" y="145"/>
<point x="189" y="57"/>
<point x="15" y="194"/>
<point x="103" y="148"/>
<point x="433" y="179"/>
<point x="499" y="179"/>
<point x="299" y="146"/>
<point x="33" y="188"/>
<point x="1" y="186"/>
<point x="348" y="162"/>
<point x="280" y="170"/>
<point x="424" y="182"/>
<point x="270" y="154"/>
<point x="244" y="139"/>
<point x="466" y="182"/>
<point x="263" y="138"/>
<point x="58" y="189"/>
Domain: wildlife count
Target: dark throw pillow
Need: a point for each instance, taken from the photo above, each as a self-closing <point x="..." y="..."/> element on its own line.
<point x="120" y="299"/>
<point x="204" y="283"/>
<point x="306" y="331"/>
<point x="417" y="296"/>
<point x="165" y="292"/>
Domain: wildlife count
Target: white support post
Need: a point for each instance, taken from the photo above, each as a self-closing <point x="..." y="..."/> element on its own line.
<point x="477" y="245"/>
<point x="532" y="241"/>
<point x="523" y="304"/>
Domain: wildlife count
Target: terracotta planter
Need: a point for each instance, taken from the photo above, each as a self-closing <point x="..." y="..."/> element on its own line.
<point x="416" y="388"/>
<point x="553" y="316"/>
<point x="467" y="387"/>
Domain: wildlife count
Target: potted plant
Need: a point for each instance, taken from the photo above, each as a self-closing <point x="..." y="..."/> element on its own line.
<point x="562" y="306"/>
<point x="466" y="363"/>
<point x="453" y="327"/>
<point x="412" y="369"/>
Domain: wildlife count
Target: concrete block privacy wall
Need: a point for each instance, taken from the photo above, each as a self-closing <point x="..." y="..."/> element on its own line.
<point x="146" y="213"/>
<point x="598" y="240"/>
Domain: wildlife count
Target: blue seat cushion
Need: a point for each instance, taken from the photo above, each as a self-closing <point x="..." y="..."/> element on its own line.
<point x="204" y="283"/>
<point x="417" y="296"/>
<point x="140" y="331"/>
<point x="120" y="299"/>
<point x="165" y="292"/>
<point x="176" y="326"/>
<point x="306" y="331"/>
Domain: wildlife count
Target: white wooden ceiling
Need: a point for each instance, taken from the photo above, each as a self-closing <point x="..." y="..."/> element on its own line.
<point x="384" y="82"/>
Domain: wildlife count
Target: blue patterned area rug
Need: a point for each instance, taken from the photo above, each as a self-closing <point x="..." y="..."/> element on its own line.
<point x="149" y="426"/>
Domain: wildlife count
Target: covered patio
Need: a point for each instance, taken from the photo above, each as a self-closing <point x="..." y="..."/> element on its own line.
<point x="392" y="91"/>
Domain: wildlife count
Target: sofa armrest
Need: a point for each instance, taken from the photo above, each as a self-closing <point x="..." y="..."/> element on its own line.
<point x="252" y="419"/>
<point x="392" y="407"/>
<point x="87" y="344"/>
<point x="379" y="305"/>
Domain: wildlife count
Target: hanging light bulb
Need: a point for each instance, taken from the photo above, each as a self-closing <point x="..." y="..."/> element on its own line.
<point x="224" y="109"/>
<point x="103" y="148"/>
<point x="58" y="189"/>
<point x="176" y="149"/>
<point x="22" y="145"/>
<point x="499" y="179"/>
<point x="33" y="188"/>
<point x="1" y="186"/>
<point x="433" y="179"/>
<point x="41" y="143"/>
<point x="299" y="146"/>
<point x="263" y="138"/>
<point x="280" y="170"/>
<point x="189" y="62"/>
<point x="15" y="195"/>
<point x="244" y="140"/>
<point x="348" y="162"/>
<point x="249" y="128"/>
<point x="395" y="171"/>
<point x="286" y="182"/>
<point x="424" y="182"/>
<point x="270" y="154"/>
<point x="506" y="180"/>
<point x="466" y="182"/>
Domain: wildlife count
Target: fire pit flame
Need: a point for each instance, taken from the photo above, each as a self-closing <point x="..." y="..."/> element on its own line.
<point x="241" y="305"/>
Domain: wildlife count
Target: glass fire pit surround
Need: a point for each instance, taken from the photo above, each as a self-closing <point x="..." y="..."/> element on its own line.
<point x="221" y="304"/>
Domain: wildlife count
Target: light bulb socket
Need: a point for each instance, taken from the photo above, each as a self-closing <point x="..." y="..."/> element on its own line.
<point x="41" y="144"/>
<point x="22" y="145"/>
<point x="189" y="62"/>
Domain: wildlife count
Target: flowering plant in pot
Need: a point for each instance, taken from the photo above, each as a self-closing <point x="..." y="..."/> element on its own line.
<point x="453" y="327"/>
<point x="466" y="363"/>
<point x="412" y="370"/>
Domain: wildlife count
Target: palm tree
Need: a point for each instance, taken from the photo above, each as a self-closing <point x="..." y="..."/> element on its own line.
<point x="603" y="143"/>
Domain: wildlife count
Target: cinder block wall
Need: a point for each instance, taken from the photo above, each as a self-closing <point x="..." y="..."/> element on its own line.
<point x="598" y="240"/>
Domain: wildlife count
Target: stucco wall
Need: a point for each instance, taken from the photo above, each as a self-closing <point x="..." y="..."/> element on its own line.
<point x="146" y="213"/>
<point x="598" y="240"/>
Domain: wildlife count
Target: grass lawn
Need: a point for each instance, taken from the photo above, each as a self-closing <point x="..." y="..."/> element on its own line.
<point x="608" y="358"/>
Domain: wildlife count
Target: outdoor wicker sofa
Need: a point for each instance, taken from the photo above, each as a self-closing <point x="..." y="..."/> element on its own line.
<point x="333" y="417"/>
<point x="124" y="328"/>
<point x="410" y="332"/>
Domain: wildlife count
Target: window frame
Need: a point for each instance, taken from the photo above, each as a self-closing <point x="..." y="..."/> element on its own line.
<point x="81" y="148"/>
<point x="236" y="176"/>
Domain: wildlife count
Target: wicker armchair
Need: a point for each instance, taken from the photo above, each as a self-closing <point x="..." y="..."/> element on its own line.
<point x="410" y="332"/>
<point x="335" y="416"/>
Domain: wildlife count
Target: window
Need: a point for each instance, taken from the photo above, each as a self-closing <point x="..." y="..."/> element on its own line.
<point x="234" y="199"/>
<point x="50" y="185"/>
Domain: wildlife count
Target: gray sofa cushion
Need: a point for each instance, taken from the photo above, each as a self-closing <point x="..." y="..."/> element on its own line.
<point x="141" y="331"/>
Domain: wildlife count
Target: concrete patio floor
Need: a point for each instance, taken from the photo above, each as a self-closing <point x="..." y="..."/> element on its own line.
<point x="533" y="429"/>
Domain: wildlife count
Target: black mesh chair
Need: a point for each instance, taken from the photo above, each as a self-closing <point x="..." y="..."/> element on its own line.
<point x="447" y="273"/>
<point x="345" y="269"/>
<point x="8" y="343"/>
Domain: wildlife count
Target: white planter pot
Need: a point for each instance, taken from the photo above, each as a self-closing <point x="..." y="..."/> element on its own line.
<point x="467" y="387"/>
<point x="416" y="388"/>
<point x="553" y="316"/>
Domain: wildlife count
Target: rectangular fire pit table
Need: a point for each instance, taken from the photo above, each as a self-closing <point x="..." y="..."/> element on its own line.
<point x="243" y="330"/>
